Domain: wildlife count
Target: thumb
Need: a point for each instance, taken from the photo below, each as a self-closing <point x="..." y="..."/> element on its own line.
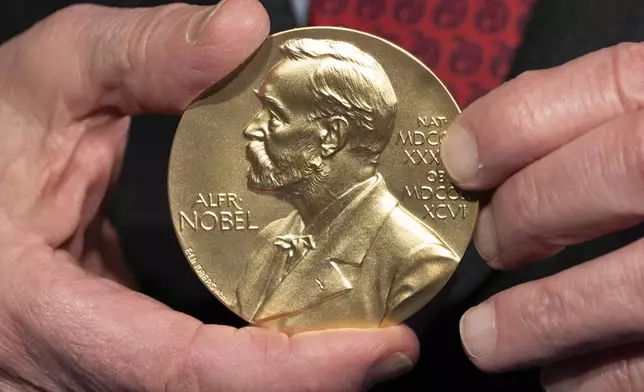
<point x="132" y="60"/>
<point x="330" y="360"/>
<point x="73" y="329"/>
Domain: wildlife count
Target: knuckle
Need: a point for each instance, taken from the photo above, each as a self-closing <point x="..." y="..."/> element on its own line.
<point x="632" y="157"/>
<point x="137" y="35"/>
<point x="526" y="203"/>
<point x="622" y="288"/>
<point x="627" y="376"/>
<point x="510" y="108"/>
<point x="266" y="349"/>
<point x="273" y="359"/>
<point x="547" y="312"/>
<point x="638" y="150"/>
<point x="527" y="79"/>
<point x="523" y="226"/>
<point x="67" y="23"/>
<point x="146" y="24"/>
<point x="523" y="191"/>
<point x="524" y="103"/>
<point x="74" y="12"/>
<point x="628" y="64"/>
<point x="183" y="375"/>
<point x="263" y="344"/>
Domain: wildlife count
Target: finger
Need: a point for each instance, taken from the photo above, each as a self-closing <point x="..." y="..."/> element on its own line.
<point x="97" y="335"/>
<point x="134" y="60"/>
<point x="615" y="370"/>
<point x="538" y="112"/>
<point x="592" y="186"/>
<point x="591" y="306"/>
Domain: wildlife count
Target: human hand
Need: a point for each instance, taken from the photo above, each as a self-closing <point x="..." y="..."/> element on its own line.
<point x="68" y="87"/>
<point x="563" y="150"/>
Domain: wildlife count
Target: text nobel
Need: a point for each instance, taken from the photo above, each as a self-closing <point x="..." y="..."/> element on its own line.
<point x="216" y="212"/>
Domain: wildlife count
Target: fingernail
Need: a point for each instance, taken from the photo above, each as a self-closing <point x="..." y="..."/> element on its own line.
<point x="199" y="22"/>
<point x="391" y="367"/>
<point x="460" y="155"/>
<point x="486" y="239"/>
<point x="553" y="381"/>
<point x="478" y="330"/>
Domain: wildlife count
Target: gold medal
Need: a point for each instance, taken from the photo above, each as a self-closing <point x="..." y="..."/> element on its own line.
<point x="307" y="190"/>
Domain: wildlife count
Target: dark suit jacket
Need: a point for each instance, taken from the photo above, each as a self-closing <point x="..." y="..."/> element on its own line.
<point x="560" y="30"/>
<point x="368" y="274"/>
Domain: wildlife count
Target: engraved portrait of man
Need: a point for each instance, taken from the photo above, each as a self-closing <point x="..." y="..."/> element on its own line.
<point x="349" y="254"/>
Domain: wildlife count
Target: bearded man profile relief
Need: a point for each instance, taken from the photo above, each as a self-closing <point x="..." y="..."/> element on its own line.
<point x="349" y="254"/>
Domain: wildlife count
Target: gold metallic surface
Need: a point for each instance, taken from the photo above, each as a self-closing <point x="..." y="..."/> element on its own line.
<point x="307" y="190"/>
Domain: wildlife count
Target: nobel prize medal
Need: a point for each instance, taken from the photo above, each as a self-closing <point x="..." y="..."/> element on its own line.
<point x="307" y="191"/>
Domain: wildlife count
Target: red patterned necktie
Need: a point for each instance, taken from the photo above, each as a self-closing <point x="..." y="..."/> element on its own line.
<point x="469" y="44"/>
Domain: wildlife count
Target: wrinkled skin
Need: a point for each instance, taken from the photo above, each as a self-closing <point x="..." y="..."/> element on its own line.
<point x="69" y="320"/>
<point x="562" y="152"/>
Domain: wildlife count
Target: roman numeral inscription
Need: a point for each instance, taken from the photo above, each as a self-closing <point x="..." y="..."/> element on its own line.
<point x="421" y="148"/>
